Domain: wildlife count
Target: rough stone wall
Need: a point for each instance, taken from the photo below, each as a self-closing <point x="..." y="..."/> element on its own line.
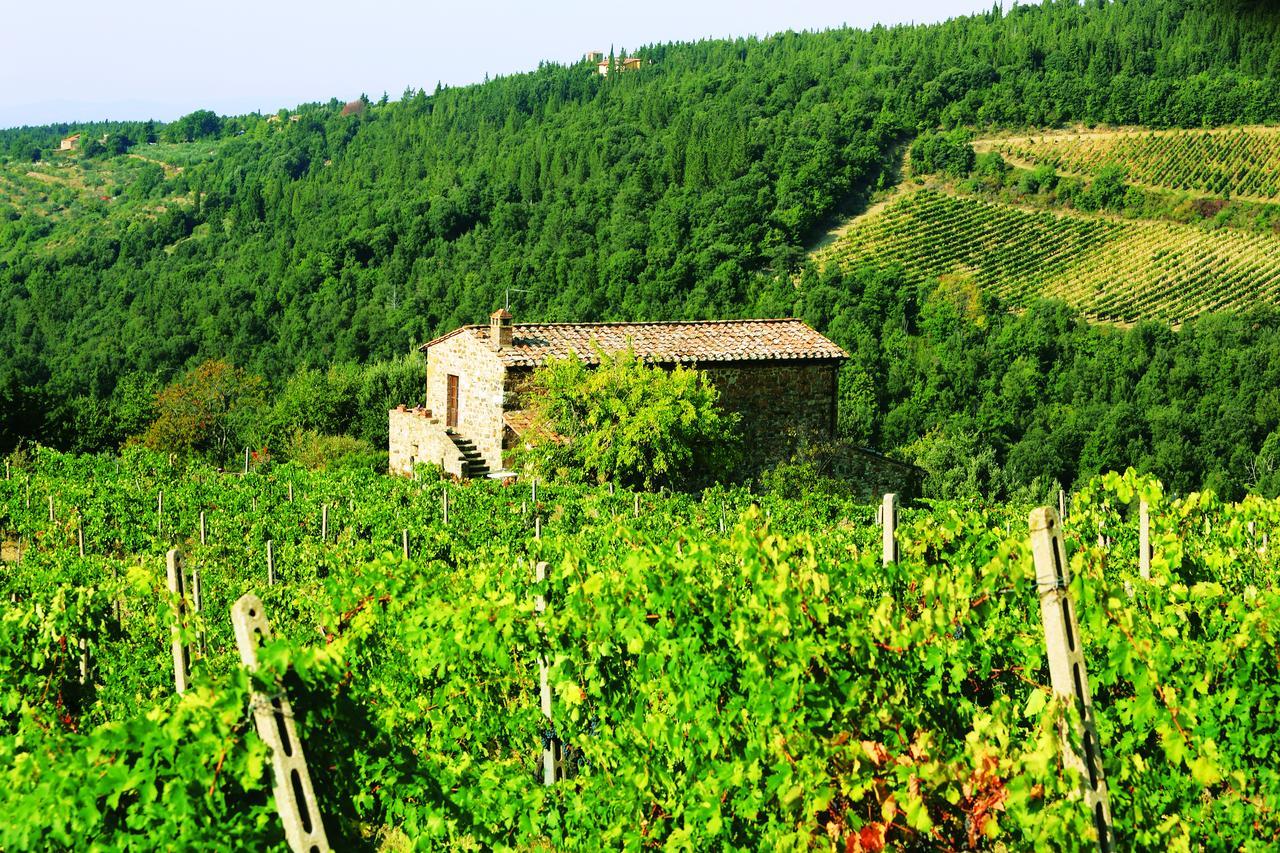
<point x="783" y="406"/>
<point x="480" y="391"/>
<point x="415" y="436"/>
<point x="869" y="475"/>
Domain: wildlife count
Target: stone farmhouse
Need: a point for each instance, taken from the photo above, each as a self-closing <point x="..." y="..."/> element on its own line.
<point x="780" y="375"/>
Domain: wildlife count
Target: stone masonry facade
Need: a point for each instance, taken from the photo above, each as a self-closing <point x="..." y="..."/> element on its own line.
<point x="782" y="405"/>
<point x="416" y="437"/>
<point x="780" y="376"/>
<point x="480" y="400"/>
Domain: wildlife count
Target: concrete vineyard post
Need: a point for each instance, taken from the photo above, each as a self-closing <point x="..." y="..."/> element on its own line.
<point x="273" y="718"/>
<point x="610" y="484"/>
<point x="1062" y="504"/>
<point x="202" y="528"/>
<point x="246" y="460"/>
<point x="533" y="493"/>
<point x="51" y="507"/>
<point x="889" y="528"/>
<point x="271" y="566"/>
<point x="637" y="508"/>
<point x="1144" y="540"/>
<point x="80" y="537"/>
<point x="84" y="661"/>
<point x="404" y="543"/>
<point x="178" y="587"/>
<point x="444" y="507"/>
<point x="537" y="527"/>
<point x="1066" y="667"/>
<point x="324" y="523"/>
<point x="552" y="771"/>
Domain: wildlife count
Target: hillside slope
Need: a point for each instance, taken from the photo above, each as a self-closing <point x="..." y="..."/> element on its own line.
<point x="657" y="193"/>
<point x="688" y="188"/>
<point x="1110" y="268"/>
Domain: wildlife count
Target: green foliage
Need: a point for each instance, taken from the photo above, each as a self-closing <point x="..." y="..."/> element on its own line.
<point x="772" y="686"/>
<point x="630" y="423"/>
<point x="948" y="153"/>
<point x="206" y="411"/>
<point x="958" y="463"/>
<point x="667" y="192"/>
<point x="319" y="452"/>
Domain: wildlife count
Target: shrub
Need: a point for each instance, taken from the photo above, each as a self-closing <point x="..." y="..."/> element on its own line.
<point x="632" y="423"/>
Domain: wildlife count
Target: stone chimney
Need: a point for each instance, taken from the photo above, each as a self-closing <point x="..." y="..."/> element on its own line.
<point x="500" y="329"/>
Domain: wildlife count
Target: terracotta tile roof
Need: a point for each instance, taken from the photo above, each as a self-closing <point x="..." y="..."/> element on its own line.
<point x="527" y="424"/>
<point x="694" y="342"/>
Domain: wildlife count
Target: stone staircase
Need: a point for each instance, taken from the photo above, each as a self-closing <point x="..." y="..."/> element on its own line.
<point x="473" y="464"/>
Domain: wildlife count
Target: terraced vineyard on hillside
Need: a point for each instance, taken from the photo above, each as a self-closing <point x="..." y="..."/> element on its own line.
<point x="1238" y="162"/>
<point x="1112" y="269"/>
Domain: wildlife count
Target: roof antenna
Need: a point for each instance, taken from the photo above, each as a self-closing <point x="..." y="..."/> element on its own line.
<point x="517" y="290"/>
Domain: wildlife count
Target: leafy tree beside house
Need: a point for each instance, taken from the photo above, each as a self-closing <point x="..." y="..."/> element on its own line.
<point x="209" y="411"/>
<point x="628" y="422"/>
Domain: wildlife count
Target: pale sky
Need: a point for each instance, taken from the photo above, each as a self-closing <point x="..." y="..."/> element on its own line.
<point x="82" y="60"/>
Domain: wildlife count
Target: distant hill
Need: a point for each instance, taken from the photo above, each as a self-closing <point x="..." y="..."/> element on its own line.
<point x="690" y="187"/>
<point x="1122" y="264"/>
<point x="1229" y="162"/>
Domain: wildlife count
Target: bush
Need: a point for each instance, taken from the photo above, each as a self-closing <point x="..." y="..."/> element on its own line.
<point x="628" y="422"/>
<point x="943" y="153"/>
<point x="319" y="452"/>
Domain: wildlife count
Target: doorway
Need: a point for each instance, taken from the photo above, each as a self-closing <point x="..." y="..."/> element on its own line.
<point x="451" y="403"/>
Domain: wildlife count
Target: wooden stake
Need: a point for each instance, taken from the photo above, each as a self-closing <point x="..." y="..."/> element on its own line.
<point x="271" y="566"/>
<point x="202" y="528"/>
<point x="889" y="528"/>
<point x="324" y="523"/>
<point x="273" y="717"/>
<point x="178" y="587"/>
<point x="1066" y="667"/>
<point x="552" y="769"/>
<point x="1144" y="540"/>
<point x="80" y="537"/>
<point x="246" y="460"/>
<point x="444" y="506"/>
<point x="404" y="543"/>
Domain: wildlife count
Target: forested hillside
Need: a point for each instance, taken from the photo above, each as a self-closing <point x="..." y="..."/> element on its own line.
<point x="688" y="188"/>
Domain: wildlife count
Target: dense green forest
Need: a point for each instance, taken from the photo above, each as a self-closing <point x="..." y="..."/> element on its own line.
<point x="688" y="188"/>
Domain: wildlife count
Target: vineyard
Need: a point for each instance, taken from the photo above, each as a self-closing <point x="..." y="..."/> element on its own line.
<point x="102" y="197"/>
<point x="1241" y="162"/>
<point x="722" y="670"/>
<point x="1111" y="269"/>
